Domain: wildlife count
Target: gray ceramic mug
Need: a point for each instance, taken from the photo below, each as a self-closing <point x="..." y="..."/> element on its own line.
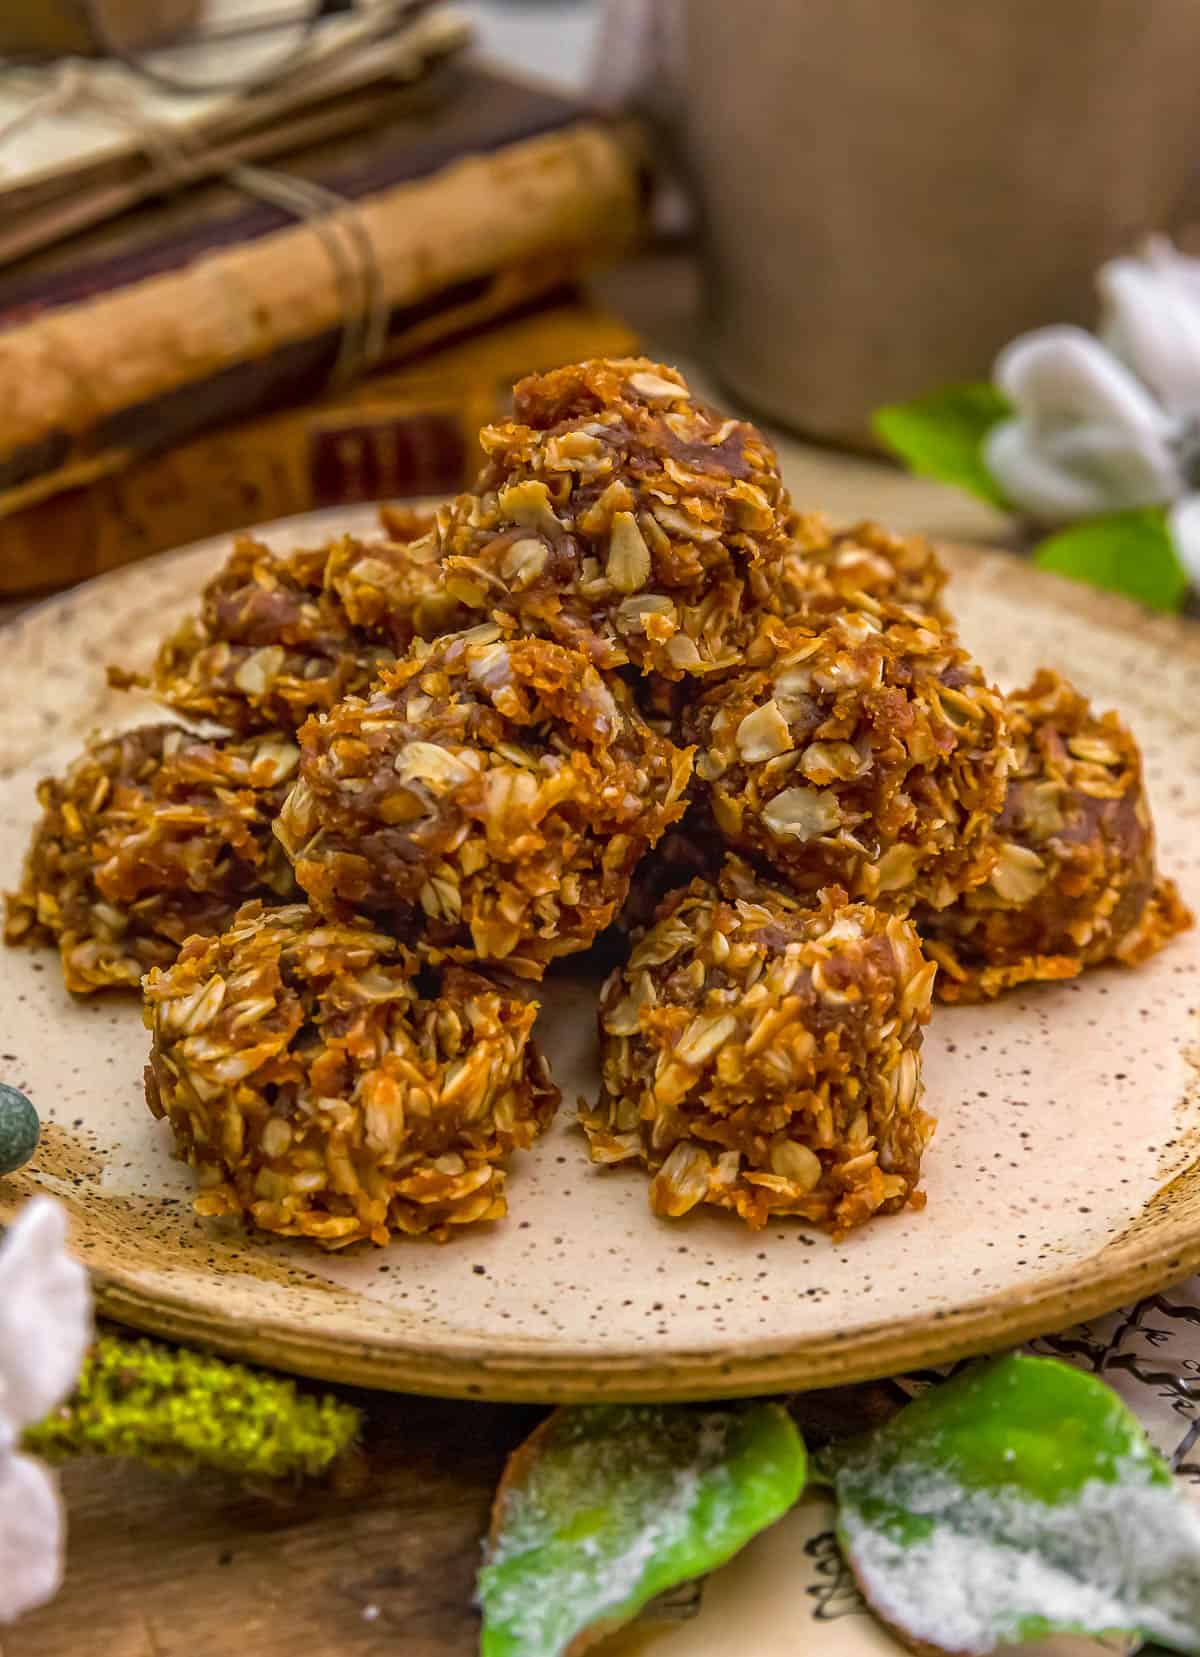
<point x="892" y="189"/>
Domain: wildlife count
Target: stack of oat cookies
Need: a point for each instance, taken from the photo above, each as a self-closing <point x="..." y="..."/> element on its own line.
<point x="619" y="688"/>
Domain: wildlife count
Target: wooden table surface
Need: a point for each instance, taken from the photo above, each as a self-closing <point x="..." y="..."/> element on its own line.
<point x="169" y="1566"/>
<point x="165" y="1565"/>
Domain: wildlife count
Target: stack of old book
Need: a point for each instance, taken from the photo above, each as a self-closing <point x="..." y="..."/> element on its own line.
<point x="325" y="313"/>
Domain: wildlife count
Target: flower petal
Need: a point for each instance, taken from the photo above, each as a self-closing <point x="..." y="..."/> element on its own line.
<point x="45" y="1315"/>
<point x="1060" y="376"/>
<point x="31" y="1536"/>
<point x="1133" y="469"/>
<point x="1183" y="521"/>
<point x="1161" y="253"/>
<point x="1152" y="320"/>
<point x="1061" y="476"/>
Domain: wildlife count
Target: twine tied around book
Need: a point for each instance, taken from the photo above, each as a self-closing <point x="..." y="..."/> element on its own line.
<point x="355" y="265"/>
<point x="334" y="218"/>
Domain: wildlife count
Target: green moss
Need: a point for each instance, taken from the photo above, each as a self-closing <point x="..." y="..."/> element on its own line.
<point x="176" y="1408"/>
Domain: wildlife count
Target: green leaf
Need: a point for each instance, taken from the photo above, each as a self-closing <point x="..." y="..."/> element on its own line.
<point x="604" y="1508"/>
<point x="1018" y="1500"/>
<point x="1126" y="552"/>
<point x="941" y="435"/>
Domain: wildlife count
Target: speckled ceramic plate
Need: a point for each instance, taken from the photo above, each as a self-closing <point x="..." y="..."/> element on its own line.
<point x="1059" y="1183"/>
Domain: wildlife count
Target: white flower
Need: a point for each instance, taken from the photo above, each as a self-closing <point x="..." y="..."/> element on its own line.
<point x="1112" y="423"/>
<point x="45" y="1327"/>
<point x="1087" y="438"/>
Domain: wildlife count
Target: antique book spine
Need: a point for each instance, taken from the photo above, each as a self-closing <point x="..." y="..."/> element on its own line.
<point x="256" y="326"/>
<point x="395" y="436"/>
<point x="406" y="132"/>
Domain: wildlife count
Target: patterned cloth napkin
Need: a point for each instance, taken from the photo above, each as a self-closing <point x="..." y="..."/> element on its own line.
<point x="790" y="1591"/>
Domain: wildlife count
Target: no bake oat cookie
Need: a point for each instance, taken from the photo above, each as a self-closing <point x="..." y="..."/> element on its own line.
<point x="496" y="787"/>
<point x="823" y="567"/>
<point x="150" y="836"/>
<point x="279" y="636"/>
<point x="864" y="750"/>
<point x="764" y="1055"/>
<point x="318" y="1093"/>
<point x="1075" y="881"/>
<point x="620" y="516"/>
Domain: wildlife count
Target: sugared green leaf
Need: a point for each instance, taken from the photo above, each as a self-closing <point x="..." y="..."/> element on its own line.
<point x="941" y="435"/>
<point x="603" y="1508"/>
<point x="1126" y="552"/>
<point x="1018" y="1500"/>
